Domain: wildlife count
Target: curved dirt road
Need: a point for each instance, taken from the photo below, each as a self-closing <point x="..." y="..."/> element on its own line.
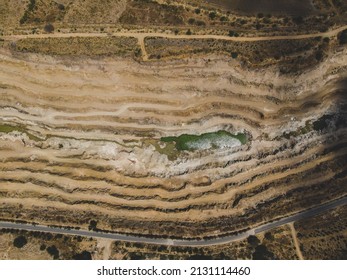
<point x="139" y="36"/>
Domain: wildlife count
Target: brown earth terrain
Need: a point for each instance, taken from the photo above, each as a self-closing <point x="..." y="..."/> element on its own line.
<point x="325" y="236"/>
<point x="84" y="117"/>
<point x="274" y="244"/>
<point x="291" y="7"/>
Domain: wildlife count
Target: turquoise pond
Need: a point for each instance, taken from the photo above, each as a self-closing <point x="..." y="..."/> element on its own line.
<point x="211" y="140"/>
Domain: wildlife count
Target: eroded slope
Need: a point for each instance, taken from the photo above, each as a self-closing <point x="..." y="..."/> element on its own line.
<point x="81" y="141"/>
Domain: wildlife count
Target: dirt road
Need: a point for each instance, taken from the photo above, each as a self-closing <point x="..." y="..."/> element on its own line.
<point x="141" y="37"/>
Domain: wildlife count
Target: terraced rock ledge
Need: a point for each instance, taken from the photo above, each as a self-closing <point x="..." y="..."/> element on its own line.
<point x="195" y="145"/>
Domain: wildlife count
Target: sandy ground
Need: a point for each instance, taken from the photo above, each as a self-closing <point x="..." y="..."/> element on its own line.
<point x="93" y="117"/>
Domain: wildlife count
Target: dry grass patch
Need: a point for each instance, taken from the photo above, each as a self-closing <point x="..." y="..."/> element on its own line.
<point x="81" y="46"/>
<point x="274" y="244"/>
<point x="288" y="54"/>
<point x="26" y="245"/>
<point x="324" y="236"/>
<point x="94" y="12"/>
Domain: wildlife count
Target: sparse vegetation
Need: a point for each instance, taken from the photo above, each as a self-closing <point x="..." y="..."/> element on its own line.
<point x="30" y="8"/>
<point x="324" y="236"/>
<point x="251" y="54"/>
<point x="45" y="246"/>
<point x="108" y="46"/>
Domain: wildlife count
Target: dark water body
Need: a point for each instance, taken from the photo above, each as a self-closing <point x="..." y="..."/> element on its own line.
<point x="274" y="7"/>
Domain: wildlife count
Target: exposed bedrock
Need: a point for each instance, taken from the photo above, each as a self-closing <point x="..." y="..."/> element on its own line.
<point x="81" y="140"/>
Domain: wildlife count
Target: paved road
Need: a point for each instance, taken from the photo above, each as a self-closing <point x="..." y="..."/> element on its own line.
<point x="194" y="242"/>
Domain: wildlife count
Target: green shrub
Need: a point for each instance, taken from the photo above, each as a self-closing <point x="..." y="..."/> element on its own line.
<point x="49" y="28"/>
<point x="343" y="37"/>
<point x="20" y="241"/>
<point x="212" y="15"/>
<point x="53" y="251"/>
